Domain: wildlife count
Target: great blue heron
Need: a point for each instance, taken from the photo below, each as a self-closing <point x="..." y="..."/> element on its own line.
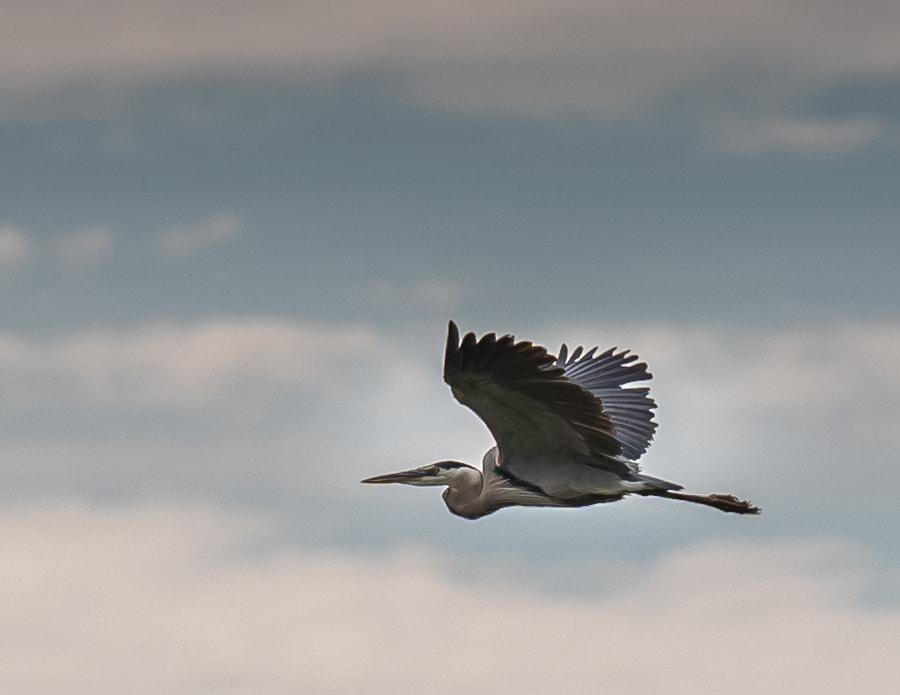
<point x="568" y="434"/>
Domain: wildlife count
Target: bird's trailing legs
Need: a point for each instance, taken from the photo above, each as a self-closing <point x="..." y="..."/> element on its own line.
<point x="727" y="503"/>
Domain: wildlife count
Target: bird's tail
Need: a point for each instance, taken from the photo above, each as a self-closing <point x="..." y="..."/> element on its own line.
<point x="726" y="503"/>
<point x="652" y="485"/>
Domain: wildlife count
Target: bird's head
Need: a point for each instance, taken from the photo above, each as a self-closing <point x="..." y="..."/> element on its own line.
<point x="440" y="473"/>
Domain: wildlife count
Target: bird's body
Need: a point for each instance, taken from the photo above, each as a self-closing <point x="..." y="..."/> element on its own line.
<point x="568" y="429"/>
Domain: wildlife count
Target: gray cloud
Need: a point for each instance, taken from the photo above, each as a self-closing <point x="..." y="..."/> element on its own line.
<point x="186" y="240"/>
<point x="15" y="246"/>
<point x="87" y="246"/>
<point x="754" y="63"/>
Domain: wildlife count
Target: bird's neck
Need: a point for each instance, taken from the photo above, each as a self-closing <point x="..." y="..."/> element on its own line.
<point x="464" y="495"/>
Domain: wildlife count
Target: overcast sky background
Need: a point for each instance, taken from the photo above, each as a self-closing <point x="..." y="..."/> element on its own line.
<point x="231" y="236"/>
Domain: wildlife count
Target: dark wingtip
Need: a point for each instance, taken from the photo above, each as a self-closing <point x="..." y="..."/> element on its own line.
<point x="452" y="344"/>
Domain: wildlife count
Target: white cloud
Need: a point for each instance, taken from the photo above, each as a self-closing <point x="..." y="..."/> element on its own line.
<point x="211" y="405"/>
<point x="15" y="246"/>
<point x="187" y="240"/>
<point x="730" y="404"/>
<point x="214" y="365"/>
<point x="779" y="371"/>
<point x="597" y="58"/>
<point x="185" y="599"/>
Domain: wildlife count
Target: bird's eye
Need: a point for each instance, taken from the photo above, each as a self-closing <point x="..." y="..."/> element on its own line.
<point x="435" y="470"/>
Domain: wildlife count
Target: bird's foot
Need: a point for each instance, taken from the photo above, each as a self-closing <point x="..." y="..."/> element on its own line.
<point x="730" y="503"/>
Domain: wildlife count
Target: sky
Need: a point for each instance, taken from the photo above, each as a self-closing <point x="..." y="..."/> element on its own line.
<point x="232" y="235"/>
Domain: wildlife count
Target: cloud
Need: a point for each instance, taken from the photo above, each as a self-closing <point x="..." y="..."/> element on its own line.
<point x="211" y="365"/>
<point x="718" y="391"/>
<point x="435" y="293"/>
<point x="183" y="241"/>
<point x="810" y="134"/>
<point x="76" y="248"/>
<point x="215" y="405"/>
<point x="438" y="293"/>
<point x="780" y="371"/>
<point x="15" y="246"/>
<point x="600" y="59"/>
<point x="187" y="598"/>
<point x="195" y="364"/>
<point x="87" y="246"/>
<point x="230" y="405"/>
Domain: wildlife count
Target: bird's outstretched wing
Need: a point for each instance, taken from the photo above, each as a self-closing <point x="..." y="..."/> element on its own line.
<point x="604" y="375"/>
<point x="528" y="403"/>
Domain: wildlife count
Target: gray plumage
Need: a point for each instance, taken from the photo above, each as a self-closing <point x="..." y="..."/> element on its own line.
<point x="569" y="429"/>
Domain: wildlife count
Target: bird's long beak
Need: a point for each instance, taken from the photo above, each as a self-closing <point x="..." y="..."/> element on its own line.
<point x="402" y="477"/>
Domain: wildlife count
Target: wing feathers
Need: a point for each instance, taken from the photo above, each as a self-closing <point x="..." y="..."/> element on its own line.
<point x="526" y="400"/>
<point x="630" y="409"/>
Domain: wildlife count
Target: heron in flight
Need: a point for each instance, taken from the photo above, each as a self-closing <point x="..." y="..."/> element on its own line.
<point x="569" y="429"/>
